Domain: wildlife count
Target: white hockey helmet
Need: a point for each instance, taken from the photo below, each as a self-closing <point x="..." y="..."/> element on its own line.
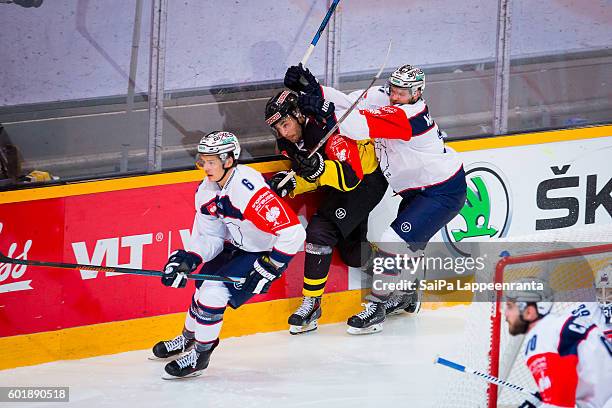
<point x="536" y="291"/>
<point x="221" y="144"/>
<point x="408" y="77"/>
<point x="603" y="290"/>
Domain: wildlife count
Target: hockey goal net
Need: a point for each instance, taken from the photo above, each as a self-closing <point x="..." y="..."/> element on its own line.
<point x="568" y="261"/>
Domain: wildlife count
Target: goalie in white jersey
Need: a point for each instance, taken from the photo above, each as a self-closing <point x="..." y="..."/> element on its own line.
<point x="428" y="175"/>
<point x="602" y="315"/>
<point x="568" y="355"/>
<point x="242" y="229"/>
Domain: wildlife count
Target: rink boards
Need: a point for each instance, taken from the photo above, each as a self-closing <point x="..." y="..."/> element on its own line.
<point x="540" y="181"/>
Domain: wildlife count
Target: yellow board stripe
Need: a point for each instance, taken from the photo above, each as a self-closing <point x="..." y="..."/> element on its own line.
<point x="102" y="186"/>
<point x="126" y="183"/>
<point x="309" y="281"/>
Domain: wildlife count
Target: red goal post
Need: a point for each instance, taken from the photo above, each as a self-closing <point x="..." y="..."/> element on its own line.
<point x="496" y="316"/>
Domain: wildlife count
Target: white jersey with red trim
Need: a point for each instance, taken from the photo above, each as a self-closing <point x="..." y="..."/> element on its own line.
<point x="593" y="310"/>
<point x="409" y="145"/>
<point x="571" y="361"/>
<point x="248" y="214"/>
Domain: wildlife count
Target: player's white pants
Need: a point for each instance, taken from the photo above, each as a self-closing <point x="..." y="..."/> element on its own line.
<point x="205" y="316"/>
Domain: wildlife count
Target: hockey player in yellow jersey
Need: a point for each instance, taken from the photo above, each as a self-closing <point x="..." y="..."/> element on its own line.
<point x="349" y="173"/>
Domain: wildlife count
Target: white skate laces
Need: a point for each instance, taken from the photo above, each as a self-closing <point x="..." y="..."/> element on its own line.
<point x="393" y="302"/>
<point x="306" y="307"/>
<point x="370" y="308"/>
<point x="177" y="343"/>
<point x="190" y="359"/>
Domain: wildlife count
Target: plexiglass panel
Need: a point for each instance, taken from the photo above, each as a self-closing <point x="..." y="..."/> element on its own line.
<point x="455" y="47"/>
<point x="67" y="104"/>
<point x="561" y="64"/>
<point x="223" y="61"/>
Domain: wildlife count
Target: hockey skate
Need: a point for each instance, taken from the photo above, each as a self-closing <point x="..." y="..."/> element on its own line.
<point x="403" y="301"/>
<point x="414" y="304"/>
<point x="171" y="348"/>
<point x="191" y="364"/>
<point x="305" y="318"/>
<point x="369" y="320"/>
<point x="396" y="303"/>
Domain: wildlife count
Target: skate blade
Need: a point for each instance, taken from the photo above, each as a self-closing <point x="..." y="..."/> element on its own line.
<point x="312" y="326"/>
<point x="153" y="357"/>
<point x="166" y="376"/>
<point x="375" y="328"/>
<point x="395" y="312"/>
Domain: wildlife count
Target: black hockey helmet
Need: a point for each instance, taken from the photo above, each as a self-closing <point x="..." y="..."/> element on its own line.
<point x="282" y="104"/>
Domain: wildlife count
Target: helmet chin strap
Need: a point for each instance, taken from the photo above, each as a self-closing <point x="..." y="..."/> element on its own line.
<point x="225" y="172"/>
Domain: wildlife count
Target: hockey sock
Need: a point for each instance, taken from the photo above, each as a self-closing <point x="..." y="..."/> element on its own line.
<point x="211" y="302"/>
<point x="316" y="268"/>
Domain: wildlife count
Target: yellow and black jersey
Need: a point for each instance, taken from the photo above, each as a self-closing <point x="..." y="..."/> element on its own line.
<point x="346" y="160"/>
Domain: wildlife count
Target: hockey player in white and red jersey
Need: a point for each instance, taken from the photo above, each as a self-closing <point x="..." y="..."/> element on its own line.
<point x="243" y="230"/>
<point x="603" y="291"/>
<point x="428" y="175"/>
<point x="568" y="355"/>
<point x="601" y="310"/>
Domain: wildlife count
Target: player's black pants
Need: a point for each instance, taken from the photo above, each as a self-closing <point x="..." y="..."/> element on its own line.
<point x="341" y="222"/>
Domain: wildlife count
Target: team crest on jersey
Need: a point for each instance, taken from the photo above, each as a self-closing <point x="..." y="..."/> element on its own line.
<point x="271" y="211"/>
<point x="339" y="148"/>
<point x="273" y="214"/>
<point x="212" y="208"/>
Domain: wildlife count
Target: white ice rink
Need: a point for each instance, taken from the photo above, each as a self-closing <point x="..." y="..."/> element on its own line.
<point x="326" y="368"/>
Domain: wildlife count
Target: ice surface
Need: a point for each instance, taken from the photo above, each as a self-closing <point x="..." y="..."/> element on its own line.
<point x="326" y="368"/>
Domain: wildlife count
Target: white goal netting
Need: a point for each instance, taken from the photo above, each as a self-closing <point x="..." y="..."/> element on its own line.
<point x="571" y="278"/>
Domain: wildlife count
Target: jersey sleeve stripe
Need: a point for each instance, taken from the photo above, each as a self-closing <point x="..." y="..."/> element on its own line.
<point x="280" y="256"/>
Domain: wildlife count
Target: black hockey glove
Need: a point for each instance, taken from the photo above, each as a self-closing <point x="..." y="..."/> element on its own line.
<point x="299" y="79"/>
<point x="287" y="188"/>
<point x="262" y="275"/>
<point x="322" y="110"/>
<point x="179" y="265"/>
<point x="535" y="402"/>
<point x="308" y="168"/>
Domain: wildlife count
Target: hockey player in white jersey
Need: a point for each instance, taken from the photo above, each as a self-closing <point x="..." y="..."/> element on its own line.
<point x="599" y="311"/>
<point x="428" y="175"/>
<point x="603" y="290"/>
<point x="569" y="357"/>
<point x="241" y="229"/>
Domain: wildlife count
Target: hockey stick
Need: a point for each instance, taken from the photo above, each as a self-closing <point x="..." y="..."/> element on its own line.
<point x="116" y="269"/>
<point x="342" y="118"/>
<point x="315" y="40"/>
<point x="484" y="376"/>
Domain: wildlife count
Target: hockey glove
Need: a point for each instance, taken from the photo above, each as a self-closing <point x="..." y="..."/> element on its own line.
<point x="308" y="168"/>
<point x="299" y="79"/>
<point x="262" y="275"/>
<point x="322" y="110"/>
<point x="179" y="265"/>
<point x="284" y="190"/>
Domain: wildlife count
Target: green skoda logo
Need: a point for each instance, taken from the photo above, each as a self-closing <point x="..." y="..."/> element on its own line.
<point x="486" y="213"/>
<point x="476" y="212"/>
